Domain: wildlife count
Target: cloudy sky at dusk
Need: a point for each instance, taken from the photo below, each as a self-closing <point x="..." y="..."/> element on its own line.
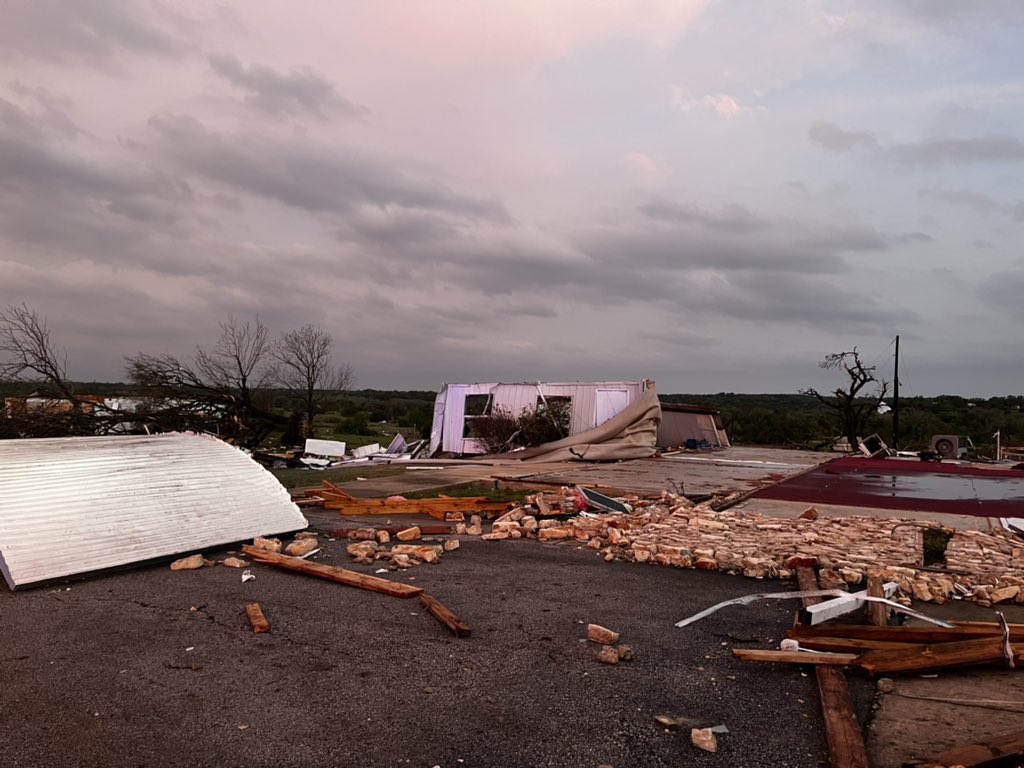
<point x="713" y="194"/>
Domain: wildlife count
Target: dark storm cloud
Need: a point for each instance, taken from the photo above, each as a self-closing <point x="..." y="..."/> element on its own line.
<point x="302" y="91"/>
<point x="961" y="198"/>
<point x="959" y="151"/>
<point x="306" y="175"/>
<point x="84" y="31"/>
<point x="955" y="15"/>
<point x="1004" y="290"/>
<point x="733" y="218"/>
<point x="938" y="150"/>
<point x="833" y="138"/>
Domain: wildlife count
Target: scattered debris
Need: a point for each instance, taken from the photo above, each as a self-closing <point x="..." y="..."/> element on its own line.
<point x="301" y="547"/>
<point x="444" y="615"/>
<point x="332" y="573"/>
<point x="625" y="652"/>
<point x="993" y="751"/>
<point x="234" y="562"/>
<point x="705" y="739"/>
<point x="248" y="576"/>
<point x="257" y="620"/>
<point x="188" y="563"/>
<point x="608" y="655"/>
<point x="268" y="545"/>
<point x="598" y="634"/>
<point x="409" y="534"/>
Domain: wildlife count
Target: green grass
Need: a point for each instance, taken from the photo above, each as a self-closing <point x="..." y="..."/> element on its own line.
<point x="301" y="478"/>
<point x="463" y="490"/>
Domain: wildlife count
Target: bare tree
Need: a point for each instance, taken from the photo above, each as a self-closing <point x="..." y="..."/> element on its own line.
<point x="853" y="405"/>
<point x="28" y="355"/>
<point x="225" y="381"/>
<point x="304" y="365"/>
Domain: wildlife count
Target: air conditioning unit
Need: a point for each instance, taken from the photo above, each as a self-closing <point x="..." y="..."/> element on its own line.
<point x="951" y="446"/>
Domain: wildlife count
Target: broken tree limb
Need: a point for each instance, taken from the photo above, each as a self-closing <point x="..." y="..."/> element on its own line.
<point x="257" y="620"/>
<point x="332" y="573"/>
<point x="991" y="752"/>
<point x="444" y="615"/>
<point x="796" y="657"/>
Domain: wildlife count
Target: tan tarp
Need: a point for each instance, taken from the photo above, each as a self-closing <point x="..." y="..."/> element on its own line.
<point x="630" y="434"/>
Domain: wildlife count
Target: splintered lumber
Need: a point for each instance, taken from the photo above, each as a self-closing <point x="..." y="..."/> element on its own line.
<point x="921" y="658"/>
<point x="796" y="657"/>
<point x="846" y="644"/>
<point x="878" y="614"/>
<point x="436" y="508"/>
<point x="333" y="573"/>
<point x="257" y="620"/>
<point x="846" y="747"/>
<point x="444" y="615"/>
<point x="964" y="631"/>
<point x="984" y="753"/>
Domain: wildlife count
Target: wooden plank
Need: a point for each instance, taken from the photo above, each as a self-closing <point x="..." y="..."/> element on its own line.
<point x="795" y="657"/>
<point x="257" y="620"/>
<point x="994" y="751"/>
<point x="922" y="658"/>
<point x="332" y="573"/>
<point x="337" y="490"/>
<point x="444" y="615"/>
<point x="878" y="614"/>
<point x="910" y="634"/>
<point x="847" y="644"/>
<point x="845" y="739"/>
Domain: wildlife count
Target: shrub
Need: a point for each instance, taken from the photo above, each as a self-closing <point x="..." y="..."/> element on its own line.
<point x="549" y="422"/>
<point x="497" y="431"/>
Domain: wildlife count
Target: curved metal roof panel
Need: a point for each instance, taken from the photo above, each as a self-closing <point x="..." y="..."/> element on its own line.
<point x="79" y="504"/>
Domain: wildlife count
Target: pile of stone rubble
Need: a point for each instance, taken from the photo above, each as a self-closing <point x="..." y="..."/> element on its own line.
<point x="985" y="567"/>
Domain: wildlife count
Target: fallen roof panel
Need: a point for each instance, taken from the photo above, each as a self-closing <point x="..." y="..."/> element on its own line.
<point x="80" y="504"/>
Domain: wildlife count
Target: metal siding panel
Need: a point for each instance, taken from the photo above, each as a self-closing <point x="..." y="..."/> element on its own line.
<point x="74" y="505"/>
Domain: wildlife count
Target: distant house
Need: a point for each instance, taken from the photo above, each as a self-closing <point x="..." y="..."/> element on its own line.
<point x="590" y="403"/>
<point x="691" y="426"/>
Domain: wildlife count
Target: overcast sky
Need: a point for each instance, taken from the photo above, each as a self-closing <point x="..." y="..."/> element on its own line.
<point x="714" y="195"/>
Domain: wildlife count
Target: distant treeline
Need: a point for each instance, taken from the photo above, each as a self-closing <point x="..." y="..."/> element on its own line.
<point x="767" y="419"/>
<point x="800" y="420"/>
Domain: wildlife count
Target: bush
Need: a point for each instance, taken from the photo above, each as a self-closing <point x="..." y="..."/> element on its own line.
<point x="549" y="422"/>
<point x="496" y="431"/>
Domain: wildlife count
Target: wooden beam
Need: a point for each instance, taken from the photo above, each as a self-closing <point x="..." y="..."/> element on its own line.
<point x="257" y="620"/>
<point x="795" y="657"/>
<point x="845" y="739"/>
<point x="878" y="613"/>
<point x="991" y="752"/>
<point x="921" y="658"/>
<point x="444" y="615"/>
<point x="910" y="634"/>
<point x="839" y="606"/>
<point x="336" y="490"/>
<point x="847" y="644"/>
<point x="332" y="573"/>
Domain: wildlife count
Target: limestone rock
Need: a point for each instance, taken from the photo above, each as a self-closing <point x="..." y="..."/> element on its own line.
<point x="598" y="634"/>
<point x="362" y="549"/>
<point x="808" y="514"/>
<point x="553" y="533"/>
<point x="409" y="534"/>
<point x="921" y="590"/>
<point x="306" y="535"/>
<point x="234" y="562"/>
<point x="495" y="536"/>
<point x="383" y="537"/>
<point x="460" y="529"/>
<point x="450" y="545"/>
<point x="188" y="563"/>
<point x="1004" y="594"/>
<point x="706" y="564"/>
<point x="402" y="561"/>
<point x="705" y="739"/>
<point x="363" y="534"/>
<point x="267" y="545"/>
<point x="608" y="655"/>
<point x="625" y="653"/>
<point x="302" y="547"/>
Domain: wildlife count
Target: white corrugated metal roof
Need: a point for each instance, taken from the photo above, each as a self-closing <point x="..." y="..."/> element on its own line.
<point x="79" y="504"/>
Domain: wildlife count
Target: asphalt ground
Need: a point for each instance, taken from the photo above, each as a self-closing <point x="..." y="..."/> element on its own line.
<point x="149" y="667"/>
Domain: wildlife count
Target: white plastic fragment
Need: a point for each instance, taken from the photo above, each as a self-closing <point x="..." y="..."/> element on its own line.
<point x="247" y="576"/>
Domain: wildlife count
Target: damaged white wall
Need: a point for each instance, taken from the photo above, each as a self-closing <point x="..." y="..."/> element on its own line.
<point x="80" y="504"/>
<point x="593" y="403"/>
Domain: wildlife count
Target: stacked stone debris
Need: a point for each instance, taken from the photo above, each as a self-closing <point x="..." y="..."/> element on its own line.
<point x="985" y="567"/>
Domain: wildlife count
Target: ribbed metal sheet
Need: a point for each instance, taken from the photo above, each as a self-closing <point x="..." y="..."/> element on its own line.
<point x="79" y="504"/>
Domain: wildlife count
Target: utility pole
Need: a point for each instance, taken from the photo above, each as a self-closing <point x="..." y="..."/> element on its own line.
<point x="896" y="399"/>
